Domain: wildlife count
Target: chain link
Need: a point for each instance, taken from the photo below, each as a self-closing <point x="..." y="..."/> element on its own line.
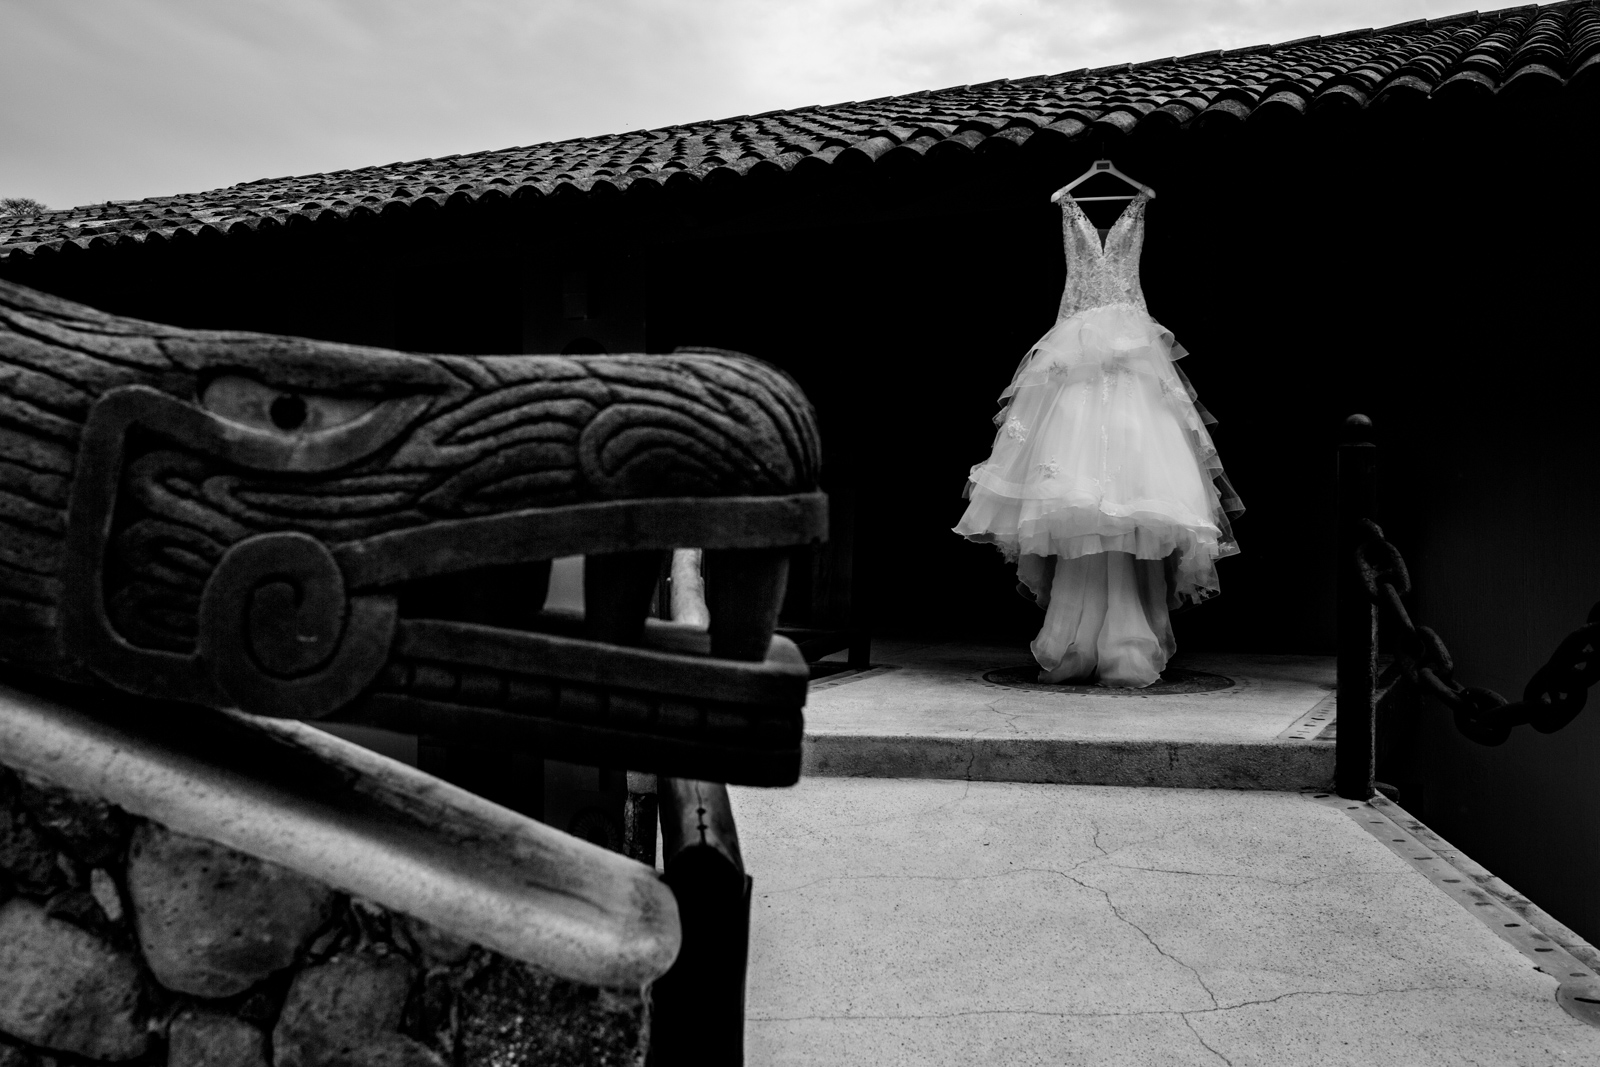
<point x="1553" y="697"/>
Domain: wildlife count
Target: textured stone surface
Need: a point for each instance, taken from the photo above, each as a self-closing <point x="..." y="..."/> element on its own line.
<point x="212" y="921"/>
<point x="335" y="1009"/>
<point x="512" y="885"/>
<point x="435" y="946"/>
<point x="92" y="830"/>
<point x="201" y="1038"/>
<point x="27" y="855"/>
<point x="516" y="1014"/>
<point x="387" y="1050"/>
<point x="360" y="985"/>
<point x="453" y="444"/>
<point x="79" y="907"/>
<point x="64" y="989"/>
<point x="104" y="889"/>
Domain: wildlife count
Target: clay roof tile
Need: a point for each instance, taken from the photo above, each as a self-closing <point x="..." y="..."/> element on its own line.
<point x="1470" y="57"/>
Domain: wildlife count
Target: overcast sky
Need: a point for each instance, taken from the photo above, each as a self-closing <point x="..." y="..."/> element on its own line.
<point x="119" y="99"/>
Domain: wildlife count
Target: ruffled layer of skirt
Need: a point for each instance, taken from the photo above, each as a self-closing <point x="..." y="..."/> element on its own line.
<point x="1103" y="447"/>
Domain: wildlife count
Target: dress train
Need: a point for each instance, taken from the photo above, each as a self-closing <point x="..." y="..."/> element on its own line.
<point x="1106" y="618"/>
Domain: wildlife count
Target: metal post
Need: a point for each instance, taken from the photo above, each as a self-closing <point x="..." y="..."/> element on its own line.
<point x="697" y="1007"/>
<point x="1357" y="615"/>
<point x="639" y="819"/>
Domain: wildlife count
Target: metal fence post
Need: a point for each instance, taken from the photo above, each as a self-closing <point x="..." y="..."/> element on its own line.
<point x="1357" y="615"/>
<point x="639" y="819"/>
<point x="697" y="1007"/>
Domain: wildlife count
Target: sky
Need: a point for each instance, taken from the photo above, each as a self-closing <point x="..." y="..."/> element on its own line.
<point x="124" y="99"/>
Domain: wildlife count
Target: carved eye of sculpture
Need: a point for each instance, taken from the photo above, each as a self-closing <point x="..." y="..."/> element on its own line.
<point x="265" y="407"/>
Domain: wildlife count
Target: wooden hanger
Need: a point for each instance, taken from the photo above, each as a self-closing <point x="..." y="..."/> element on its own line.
<point x="1100" y="166"/>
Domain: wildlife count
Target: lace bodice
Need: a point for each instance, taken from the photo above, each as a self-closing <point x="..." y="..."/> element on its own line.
<point x="1096" y="275"/>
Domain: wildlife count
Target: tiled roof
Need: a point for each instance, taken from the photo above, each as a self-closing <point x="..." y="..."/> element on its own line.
<point x="1467" y="57"/>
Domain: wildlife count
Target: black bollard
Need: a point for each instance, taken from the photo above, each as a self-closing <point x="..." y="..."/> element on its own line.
<point x="697" y="1007"/>
<point x="1357" y="615"/>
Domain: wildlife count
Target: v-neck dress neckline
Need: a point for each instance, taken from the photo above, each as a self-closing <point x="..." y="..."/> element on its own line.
<point x="1103" y="243"/>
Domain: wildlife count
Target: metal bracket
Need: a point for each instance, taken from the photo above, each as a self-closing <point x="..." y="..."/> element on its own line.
<point x="1550" y="946"/>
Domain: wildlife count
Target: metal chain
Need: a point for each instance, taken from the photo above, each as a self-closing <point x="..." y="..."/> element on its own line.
<point x="1553" y="697"/>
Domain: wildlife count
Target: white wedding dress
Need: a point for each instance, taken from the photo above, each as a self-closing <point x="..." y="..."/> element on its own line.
<point x="1103" y="483"/>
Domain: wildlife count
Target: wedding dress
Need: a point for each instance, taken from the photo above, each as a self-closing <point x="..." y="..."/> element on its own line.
<point x="1103" y="483"/>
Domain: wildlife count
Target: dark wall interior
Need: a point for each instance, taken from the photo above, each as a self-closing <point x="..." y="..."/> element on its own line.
<point x="1365" y="269"/>
<point x="1433" y="271"/>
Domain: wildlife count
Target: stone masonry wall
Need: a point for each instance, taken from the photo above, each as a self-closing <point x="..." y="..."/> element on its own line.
<point x="124" y="942"/>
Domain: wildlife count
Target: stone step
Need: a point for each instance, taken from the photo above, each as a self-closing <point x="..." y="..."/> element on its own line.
<point x="973" y="712"/>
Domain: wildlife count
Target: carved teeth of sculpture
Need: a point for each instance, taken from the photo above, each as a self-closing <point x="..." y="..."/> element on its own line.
<point x="295" y="528"/>
<point x="744" y="592"/>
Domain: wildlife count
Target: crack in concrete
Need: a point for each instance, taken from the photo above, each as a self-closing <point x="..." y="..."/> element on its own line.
<point x="1219" y="874"/>
<point x="1184" y="830"/>
<point x="1041" y="870"/>
<point x="1095" y="840"/>
<point x="1209" y="1047"/>
<point x="966" y="790"/>
<point x="1009" y="717"/>
<point x="905" y="878"/>
<point x="1184" y="1015"/>
<point x="1329" y="993"/>
<point x="1112" y="904"/>
<point x="964" y="1015"/>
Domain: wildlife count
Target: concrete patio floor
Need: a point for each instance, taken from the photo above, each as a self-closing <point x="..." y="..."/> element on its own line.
<point x="927" y="711"/>
<point x="970" y="922"/>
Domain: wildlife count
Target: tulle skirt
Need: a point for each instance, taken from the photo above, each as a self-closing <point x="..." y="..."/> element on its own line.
<point x="1103" y="447"/>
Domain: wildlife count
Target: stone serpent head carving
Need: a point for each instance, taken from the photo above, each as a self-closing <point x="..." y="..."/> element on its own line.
<point x="296" y="528"/>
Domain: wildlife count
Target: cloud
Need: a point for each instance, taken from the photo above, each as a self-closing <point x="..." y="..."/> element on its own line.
<point x="145" y="97"/>
<point x="895" y="46"/>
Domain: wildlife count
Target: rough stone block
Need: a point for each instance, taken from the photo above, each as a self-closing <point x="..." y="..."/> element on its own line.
<point x="103" y="888"/>
<point x="212" y="1039"/>
<point x="517" y="1013"/>
<point x="201" y="1038"/>
<point x="79" y="907"/>
<point x="435" y="946"/>
<point x="387" y="1050"/>
<point x="28" y="856"/>
<point x="93" y="830"/>
<point x="212" y="921"/>
<point x="337" y="1009"/>
<point x="64" y="989"/>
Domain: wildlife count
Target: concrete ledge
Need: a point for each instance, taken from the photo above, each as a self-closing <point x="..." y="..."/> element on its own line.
<point x="1171" y="764"/>
<point x="291" y="794"/>
<point x="930" y="711"/>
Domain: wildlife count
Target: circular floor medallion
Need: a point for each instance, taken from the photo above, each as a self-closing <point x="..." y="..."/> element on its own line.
<point x="1172" y="680"/>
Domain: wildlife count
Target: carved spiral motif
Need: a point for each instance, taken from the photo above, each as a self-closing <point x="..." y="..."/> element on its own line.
<point x="191" y="475"/>
<point x="288" y="592"/>
<point x="279" y="634"/>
